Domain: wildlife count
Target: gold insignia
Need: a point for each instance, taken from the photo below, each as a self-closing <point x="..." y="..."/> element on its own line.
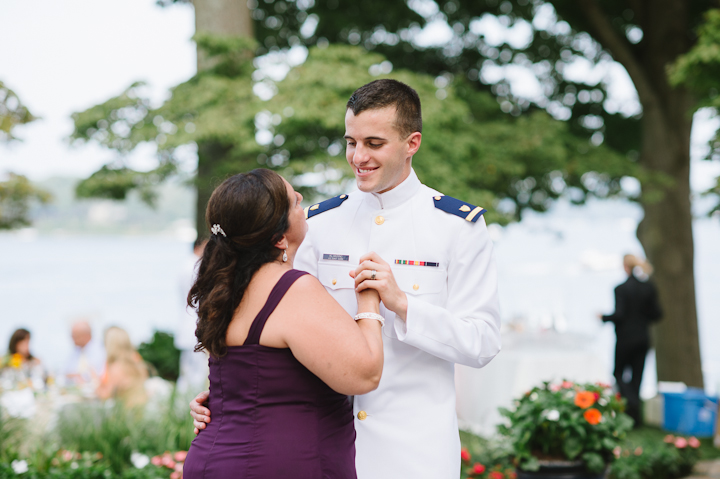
<point x="464" y="208"/>
<point x="473" y="214"/>
<point x="437" y="198"/>
<point x="342" y="197"/>
<point x="306" y="210"/>
<point x="314" y="207"/>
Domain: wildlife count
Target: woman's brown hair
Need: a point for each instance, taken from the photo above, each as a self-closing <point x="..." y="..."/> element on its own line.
<point x="252" y="211"/>
<point x="19" y="335"/>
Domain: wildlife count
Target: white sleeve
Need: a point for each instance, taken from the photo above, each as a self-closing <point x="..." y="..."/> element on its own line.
<point x="306" y="259"/>
<point x="467" y="331"/>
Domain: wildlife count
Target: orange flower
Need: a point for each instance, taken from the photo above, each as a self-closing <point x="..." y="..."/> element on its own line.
<point x="584" y="399"/>
<point x="592" y="416"/>
<point x="16" y="360"/>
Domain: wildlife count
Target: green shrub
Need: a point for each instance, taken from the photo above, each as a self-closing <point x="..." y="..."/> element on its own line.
<point x="162" y="354"/>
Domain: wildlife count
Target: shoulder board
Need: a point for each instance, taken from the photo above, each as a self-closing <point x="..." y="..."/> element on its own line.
<point x="459" y="208"/>
<point x="324" y="206"/>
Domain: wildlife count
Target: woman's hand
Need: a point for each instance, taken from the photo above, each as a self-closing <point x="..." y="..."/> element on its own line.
<point x="199" y="413"/>
<point x="368" y="301"/>
<point x="383" y="282"/>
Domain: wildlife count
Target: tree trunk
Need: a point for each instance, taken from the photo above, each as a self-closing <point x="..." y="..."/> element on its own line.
<point x="666" y="230"/>
<point x="666" y="234"/>
<point x="227" y="18"/>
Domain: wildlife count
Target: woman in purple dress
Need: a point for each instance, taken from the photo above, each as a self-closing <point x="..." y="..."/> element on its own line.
<point x="283" y="354"/>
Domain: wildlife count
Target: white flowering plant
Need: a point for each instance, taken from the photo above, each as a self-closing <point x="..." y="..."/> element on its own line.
<point x="566" y="421"/>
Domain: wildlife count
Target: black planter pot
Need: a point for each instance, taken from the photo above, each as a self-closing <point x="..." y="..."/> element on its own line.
<point x="561" y="470"/>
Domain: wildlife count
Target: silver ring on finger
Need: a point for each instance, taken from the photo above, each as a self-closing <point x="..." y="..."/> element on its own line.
<point x="373" y="273"/>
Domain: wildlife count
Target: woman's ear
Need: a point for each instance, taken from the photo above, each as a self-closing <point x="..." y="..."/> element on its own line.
<point x="282" y="243"/>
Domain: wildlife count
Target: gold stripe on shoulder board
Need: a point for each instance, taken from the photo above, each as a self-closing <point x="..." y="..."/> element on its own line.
<point x="473" y="214"/>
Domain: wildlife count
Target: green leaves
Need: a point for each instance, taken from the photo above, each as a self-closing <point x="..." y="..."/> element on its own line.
<point x="549" y="423"/>
<point x="16" y="196"/>
<point x="12" y="113"/>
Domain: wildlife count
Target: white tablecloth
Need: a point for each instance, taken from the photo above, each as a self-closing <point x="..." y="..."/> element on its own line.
<point x="526" y="360"/>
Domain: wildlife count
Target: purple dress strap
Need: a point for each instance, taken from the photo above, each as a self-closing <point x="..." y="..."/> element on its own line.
<point x="273" y="300"/>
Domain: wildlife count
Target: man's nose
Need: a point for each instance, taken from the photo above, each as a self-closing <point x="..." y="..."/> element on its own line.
<point x="361" y="155"/>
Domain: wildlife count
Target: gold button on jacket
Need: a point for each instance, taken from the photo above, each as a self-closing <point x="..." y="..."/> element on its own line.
<point x="379" y="220"/>
<point x="362" y="415"/>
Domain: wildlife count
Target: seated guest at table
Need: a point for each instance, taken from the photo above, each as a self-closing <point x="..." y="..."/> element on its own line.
<point x="18" y="354"/>
<point x="125" y="371"/>
<point x="87" y="361"/>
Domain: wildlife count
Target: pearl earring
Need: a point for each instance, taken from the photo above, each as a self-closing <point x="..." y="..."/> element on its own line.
<point x="284" y="256"/>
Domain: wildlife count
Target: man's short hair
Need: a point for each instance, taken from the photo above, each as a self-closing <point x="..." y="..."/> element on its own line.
<point x="384" y="93"/>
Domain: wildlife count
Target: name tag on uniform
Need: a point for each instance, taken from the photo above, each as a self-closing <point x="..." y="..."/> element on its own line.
<point x="336" y="257"/>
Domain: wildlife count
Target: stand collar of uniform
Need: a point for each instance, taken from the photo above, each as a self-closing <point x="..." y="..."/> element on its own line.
<point x="397" y="196"/>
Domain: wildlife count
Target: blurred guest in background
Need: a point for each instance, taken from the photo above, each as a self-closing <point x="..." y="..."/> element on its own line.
<point x="18" y="354"/>
<point x="636" y="307"/>
<point x="87" y="362"/>
<point x="125" y="372"/>
<point x="193" y="365"/>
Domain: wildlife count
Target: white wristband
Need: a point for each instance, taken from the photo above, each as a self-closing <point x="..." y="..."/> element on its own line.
<point x="370" y="316"/>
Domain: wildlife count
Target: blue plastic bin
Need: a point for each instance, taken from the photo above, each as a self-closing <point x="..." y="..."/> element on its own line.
<point x="691" y="413"/>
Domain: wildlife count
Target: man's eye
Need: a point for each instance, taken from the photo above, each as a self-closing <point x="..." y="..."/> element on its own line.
<point x="375" y="145"/>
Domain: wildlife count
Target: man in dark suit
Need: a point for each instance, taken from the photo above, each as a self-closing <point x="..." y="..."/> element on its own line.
<point x="636" y="307"/>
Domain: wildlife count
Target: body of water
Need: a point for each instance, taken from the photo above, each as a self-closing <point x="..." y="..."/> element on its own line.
<point x="556" y="271"/>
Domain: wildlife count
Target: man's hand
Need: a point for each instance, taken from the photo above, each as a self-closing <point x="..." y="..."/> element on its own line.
<point x="199" y="413"/>
<point x="384" y="283"/>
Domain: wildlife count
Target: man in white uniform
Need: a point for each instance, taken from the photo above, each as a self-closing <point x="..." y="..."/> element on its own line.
<point x="430" y="258"/>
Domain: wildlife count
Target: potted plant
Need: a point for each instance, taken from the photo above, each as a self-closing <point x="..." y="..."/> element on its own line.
<point x="565" y="430"/>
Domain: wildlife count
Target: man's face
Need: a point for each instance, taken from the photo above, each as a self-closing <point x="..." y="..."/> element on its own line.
<point x="379" y="157"/>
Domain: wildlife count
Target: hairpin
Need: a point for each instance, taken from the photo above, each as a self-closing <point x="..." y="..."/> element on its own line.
<point x="217" y="229"/>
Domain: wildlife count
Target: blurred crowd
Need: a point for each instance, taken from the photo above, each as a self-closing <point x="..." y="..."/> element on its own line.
<point x="111" y="368"/>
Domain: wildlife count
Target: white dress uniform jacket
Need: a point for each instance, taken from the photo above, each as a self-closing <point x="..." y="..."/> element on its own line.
<point x="407" y="427"/>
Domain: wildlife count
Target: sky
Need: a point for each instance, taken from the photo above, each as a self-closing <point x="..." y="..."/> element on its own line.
<point x="65" y="56"/>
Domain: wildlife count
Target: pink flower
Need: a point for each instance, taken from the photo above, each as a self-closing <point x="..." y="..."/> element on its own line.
<point x="694" y="442"/>
<point x="175" y="475"/>
<point x="567" y="384"/>
<point x="179" y="467"/>
<point x="555" y="387"/>
<point x="669" y="439"/>
<point x="156" y="461"/>
<point x="638" y="451"/>
<point x="681" y="443"/>
<point x="180" y="456"/>
<point x="617" y="451"/>
<point x="478" y="468"/>
<point x="67" y="455"/>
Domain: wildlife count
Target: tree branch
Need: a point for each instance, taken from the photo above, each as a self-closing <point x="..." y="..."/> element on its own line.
<point x="620" y="49"/>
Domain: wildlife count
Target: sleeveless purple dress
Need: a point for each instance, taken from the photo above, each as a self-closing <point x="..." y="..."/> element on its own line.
<point x="271" y="417"/>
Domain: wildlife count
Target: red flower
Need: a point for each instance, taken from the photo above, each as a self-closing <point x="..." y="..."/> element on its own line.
<point x="592" y="416"/>
<point x="465" y="455"/>
<point x="597" y="396"/>
<point x="584" y="399"/>
<point x="618" y="396"/>
<point x="497" y="475"/>
<point x="478" y="468"/>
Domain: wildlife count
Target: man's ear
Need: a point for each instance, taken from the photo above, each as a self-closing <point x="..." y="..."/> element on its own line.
<point x="282" y="243"/>
<point x="413" y="143"/>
